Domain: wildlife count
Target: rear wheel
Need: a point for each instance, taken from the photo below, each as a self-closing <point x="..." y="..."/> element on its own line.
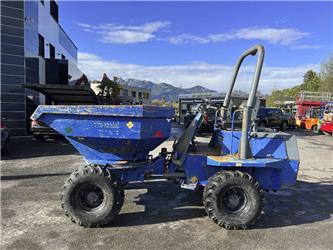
<point x="315" y="129"/>
<point x="92" y="196"/>
<point x="233" y="199"/>
<point x="284" y="126"/>
<point x="39" y="137"/>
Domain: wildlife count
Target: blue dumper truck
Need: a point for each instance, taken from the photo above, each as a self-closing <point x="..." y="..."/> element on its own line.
<point x="233" y="169"/>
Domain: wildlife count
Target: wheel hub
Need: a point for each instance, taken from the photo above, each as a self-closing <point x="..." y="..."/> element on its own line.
<point x="93" y="197"/>
<point x="89" y="197"/>
<point x="233" y="199"/>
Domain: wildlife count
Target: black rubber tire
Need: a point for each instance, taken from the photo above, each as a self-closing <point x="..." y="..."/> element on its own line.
<point x="216" y="189"/>
<point x="284" y="126"/>
<point x="109" y="185"/>
<point x="315" y="129"/>
<point x="39" y="137"/>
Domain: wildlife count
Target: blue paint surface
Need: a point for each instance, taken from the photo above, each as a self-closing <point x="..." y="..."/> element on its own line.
<point x="107" y="134"/>
<point x="105" y="110"/>
<point x="257" y="163"/>
<point x="270" y="164"/>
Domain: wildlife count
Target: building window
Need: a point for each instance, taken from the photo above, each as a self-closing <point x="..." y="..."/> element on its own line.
<point x="133" y="94"/>
<point x="147" y="95"/>
<point x="63" y="57"/>
<point x="54" y="10"/>
<point x="52" y="51"/>
<point x="41" y="49"/>
<point x="42" y="1"/>
<point x="125" y="92"/>
<point x="140" y="95"/>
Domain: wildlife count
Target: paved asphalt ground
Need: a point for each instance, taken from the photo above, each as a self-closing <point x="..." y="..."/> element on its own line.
<point x="159" y="215"/>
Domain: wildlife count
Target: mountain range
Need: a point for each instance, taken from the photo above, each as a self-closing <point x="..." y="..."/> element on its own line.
<point x="166" y="91"/>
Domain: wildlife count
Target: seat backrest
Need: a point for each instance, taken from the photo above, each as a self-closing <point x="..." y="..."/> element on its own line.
<point x="184" y="141"/>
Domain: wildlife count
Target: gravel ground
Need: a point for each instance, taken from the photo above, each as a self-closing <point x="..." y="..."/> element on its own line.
<point x="159" y="215"/>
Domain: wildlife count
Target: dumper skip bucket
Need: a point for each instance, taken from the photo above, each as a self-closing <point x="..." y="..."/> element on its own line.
<point x="108" y="134"/>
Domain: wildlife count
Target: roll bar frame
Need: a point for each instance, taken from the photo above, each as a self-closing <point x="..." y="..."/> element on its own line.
<point x="244" y="151"/>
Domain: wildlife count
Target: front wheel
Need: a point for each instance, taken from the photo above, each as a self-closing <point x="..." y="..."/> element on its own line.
<point x="233" y="199"/>
<point x="92" y="196"/>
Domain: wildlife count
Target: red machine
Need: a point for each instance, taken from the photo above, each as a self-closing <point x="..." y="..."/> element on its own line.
<point x="326" y="125"/>
<point x="307" y="101"/>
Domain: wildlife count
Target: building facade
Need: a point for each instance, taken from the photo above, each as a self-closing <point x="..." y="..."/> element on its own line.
<point x="134" y="95"/>
<point x="129" y="94"/>
<point x="34" y="49"/>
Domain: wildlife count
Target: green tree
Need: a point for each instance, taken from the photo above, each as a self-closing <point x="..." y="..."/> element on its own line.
<point x="327" y="75"/>
<point x="278" y="96"/>
<point x="311" y="81"/>
<point x="109" y="90"/>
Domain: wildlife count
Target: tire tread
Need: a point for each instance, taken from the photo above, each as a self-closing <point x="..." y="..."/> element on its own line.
<point x="209" y="198"/>
<point x="104" y="173"/>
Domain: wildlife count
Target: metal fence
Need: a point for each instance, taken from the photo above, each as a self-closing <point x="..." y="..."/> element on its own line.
<point x="315" y="96"/>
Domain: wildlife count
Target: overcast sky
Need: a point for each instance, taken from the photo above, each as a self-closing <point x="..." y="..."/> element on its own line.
<point x="187" y="44"/>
